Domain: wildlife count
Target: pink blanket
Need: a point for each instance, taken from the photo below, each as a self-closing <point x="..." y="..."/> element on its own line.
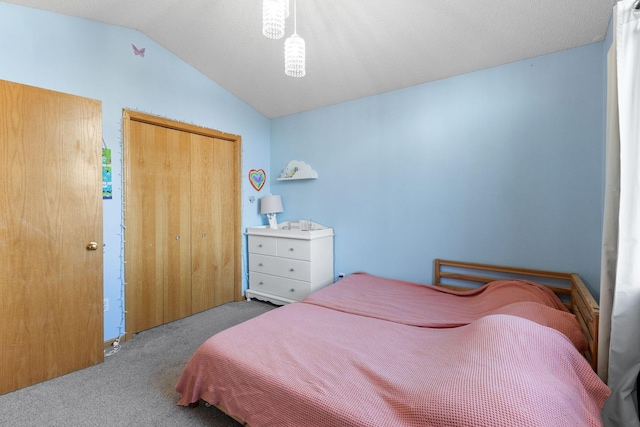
<point x="437" y="307"/>
<point x="307" y="365"/>
<point x="422" y="305"/>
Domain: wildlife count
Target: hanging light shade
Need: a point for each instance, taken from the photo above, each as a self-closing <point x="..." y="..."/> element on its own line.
<point x="273" y="16"/>
<point x="294" y="51"/>
<point x="294" y="65"/>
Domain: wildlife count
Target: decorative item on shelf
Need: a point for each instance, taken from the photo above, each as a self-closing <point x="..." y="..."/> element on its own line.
<point x="257" y="177"/>
<point x="271" y="205"/>
<point x="297" y="170"/>
<point x="306" y="225"/>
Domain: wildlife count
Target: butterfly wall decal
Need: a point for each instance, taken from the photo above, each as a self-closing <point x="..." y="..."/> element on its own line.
<point x="136" y="51"/>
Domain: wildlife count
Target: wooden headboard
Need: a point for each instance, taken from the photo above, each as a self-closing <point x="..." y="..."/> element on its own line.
<point x="568" y="286"/>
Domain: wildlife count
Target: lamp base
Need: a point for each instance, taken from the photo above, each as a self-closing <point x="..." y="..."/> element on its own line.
<point x="272" y="221"/>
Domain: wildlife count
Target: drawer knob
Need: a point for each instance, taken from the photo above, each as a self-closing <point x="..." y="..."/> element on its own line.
<point x="260" y="283"/>
<point x="291" y="249"/>
<point x="260" y="265"/>
<point x="260" y="245"/>
<point x="292" y="290"/>
<point x="292" y="270"/>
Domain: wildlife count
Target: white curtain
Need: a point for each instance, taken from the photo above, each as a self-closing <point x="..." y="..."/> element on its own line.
<point x="619" y="355"/>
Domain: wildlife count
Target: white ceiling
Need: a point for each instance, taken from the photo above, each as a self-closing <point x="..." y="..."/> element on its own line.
<point x="355" y="48"/>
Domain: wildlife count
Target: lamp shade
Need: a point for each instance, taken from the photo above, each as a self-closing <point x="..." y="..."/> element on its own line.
<point x="294" y="64"/>
<point x="271" y="204"/>
<point x="273" y="18"/>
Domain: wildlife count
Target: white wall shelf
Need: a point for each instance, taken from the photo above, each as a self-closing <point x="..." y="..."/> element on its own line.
<point x="297" y="170"/>
<point x="294" y="178"/>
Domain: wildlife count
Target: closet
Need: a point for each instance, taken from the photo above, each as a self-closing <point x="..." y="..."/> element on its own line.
<point x="182" y="219"/>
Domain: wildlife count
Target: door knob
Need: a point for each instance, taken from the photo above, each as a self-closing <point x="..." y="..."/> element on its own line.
<point x="92" y="246"/>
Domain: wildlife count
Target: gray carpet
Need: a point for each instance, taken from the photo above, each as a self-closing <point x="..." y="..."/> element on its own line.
<point x="134" y="387"/>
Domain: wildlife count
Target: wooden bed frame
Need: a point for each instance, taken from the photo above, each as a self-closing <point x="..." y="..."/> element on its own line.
<point x="568" y="286"/>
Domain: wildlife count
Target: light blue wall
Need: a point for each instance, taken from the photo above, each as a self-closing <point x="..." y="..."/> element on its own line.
<point x="501" y="166"/>
<point x="96" y="60"/>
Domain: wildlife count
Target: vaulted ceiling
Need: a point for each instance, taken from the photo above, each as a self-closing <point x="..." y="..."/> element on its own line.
<point x="355" y="48"/>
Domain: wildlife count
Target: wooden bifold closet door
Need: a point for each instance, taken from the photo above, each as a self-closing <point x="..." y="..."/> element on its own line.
<point x="182" y="219"/>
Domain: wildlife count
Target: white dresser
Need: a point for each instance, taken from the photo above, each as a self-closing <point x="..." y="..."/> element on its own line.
<point x="287" y="265"/>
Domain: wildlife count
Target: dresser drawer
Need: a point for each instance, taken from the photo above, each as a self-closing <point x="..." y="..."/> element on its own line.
<point x="279" y="286"/>
<point x="262" y="245"/>
<point x="284" y="267"/>
<point x="294" y="249"/>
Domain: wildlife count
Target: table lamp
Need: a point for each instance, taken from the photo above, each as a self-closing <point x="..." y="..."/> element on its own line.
<point x="270" y="206"/>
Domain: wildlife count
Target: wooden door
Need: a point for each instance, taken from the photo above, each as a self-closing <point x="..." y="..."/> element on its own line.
<point x="213" y="222"/>
<point x="158" y="238"/>
<point x="51" y="316"/>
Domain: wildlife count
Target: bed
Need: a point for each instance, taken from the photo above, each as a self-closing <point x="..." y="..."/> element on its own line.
<point x="371" y="351"/>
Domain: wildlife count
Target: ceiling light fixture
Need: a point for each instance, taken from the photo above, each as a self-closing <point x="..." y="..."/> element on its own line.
<point x="273" y="16"/>
<point x="294" y="51"/>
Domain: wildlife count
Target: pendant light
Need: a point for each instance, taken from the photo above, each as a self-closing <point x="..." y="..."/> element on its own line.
<point x="294" y="51"/>
<point x="273" y="16"/>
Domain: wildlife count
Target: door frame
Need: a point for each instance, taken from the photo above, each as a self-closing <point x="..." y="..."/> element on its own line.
<point x="130" y="115"/>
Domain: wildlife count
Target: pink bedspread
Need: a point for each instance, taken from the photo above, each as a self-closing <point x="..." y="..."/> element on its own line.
<point x="307" y="365"/>
<point x="437" y="307"/>
<point x="430" y="306"/>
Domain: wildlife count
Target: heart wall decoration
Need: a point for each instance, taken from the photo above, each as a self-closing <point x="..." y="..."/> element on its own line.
<point x="257" y="177"/>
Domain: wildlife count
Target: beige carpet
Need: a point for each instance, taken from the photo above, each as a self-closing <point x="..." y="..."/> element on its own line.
<point x="134" y="387"/>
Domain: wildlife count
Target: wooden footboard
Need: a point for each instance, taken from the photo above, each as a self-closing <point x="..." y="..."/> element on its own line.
<point x="568" y="286"/>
